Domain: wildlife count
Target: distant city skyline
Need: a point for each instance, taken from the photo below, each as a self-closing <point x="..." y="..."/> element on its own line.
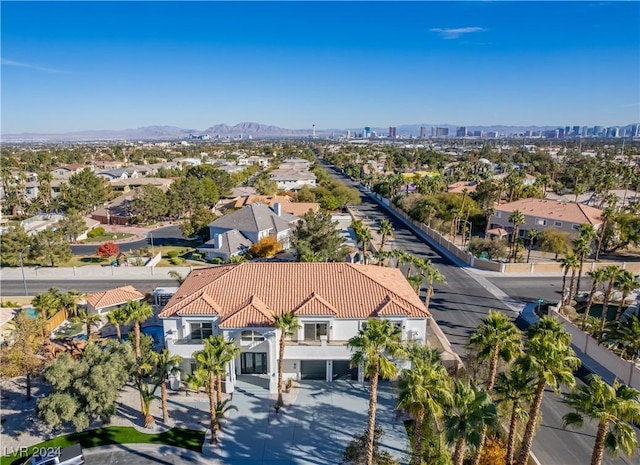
<point x="75" y="66"/>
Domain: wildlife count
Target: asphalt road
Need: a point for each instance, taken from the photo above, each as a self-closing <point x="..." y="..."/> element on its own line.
<point x="458" y="308"/>
<point x="169" y="235"/>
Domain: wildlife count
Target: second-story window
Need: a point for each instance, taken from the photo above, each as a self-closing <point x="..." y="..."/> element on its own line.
<point x="251" y="336"/>
<point x="200" y="331"/>
<point x="313" y="331"/>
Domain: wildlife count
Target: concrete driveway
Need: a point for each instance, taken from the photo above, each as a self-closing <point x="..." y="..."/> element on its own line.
<point x="313" y="430"/>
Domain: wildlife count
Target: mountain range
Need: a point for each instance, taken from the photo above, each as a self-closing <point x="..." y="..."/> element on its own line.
<point x="245" y="130"/>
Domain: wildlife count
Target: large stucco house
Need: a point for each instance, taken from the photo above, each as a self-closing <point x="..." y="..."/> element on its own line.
<point x="542" y="214"/>
<point x="330" y="300"/>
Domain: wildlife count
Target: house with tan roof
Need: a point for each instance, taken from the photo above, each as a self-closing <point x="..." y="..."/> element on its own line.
<point x="286" y="203"/>
<point x="331" y="301"/>
<point x="542" y="214"/>
<point x="103" y="301"/>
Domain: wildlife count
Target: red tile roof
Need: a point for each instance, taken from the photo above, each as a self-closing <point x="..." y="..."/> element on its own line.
<point x="251" y="294"/>
<point x="113" y="297"/>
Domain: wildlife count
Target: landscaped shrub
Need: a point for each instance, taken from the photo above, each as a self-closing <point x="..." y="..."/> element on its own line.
<point x="173" y="253"/>
<point x="176" y="260"/>
<point x="196" y="256"/>
<point x="95" y="232"/>
<point x="216" y="261"/>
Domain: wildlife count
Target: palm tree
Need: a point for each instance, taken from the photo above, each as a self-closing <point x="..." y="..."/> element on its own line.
<point x="496" y="339"/>
<point x="552" y="362"/>
<point x="70" y="300"/>
<point x="287" y="324"/>
<point x="612" y="407"/>
<point x="531" y="235"/>
<point x="89" y="320"/>
<point x="385" y="230"/>
<point x="517" y="218"/>
<point x="166" y="364"/>
<point x="211" y="364"/>
<point x="569" y="262"/>
<point x="612" y="274"/>
<point x="400" y="255"/>
<point x="117" y="317"/>
<point x="373" y="345"/>
<point x="607" y="216"/>
<point x="177" y="276"/>
<point x="472" y="412"/>
<point x="433" y="276"/>
<point x="626" y="282"/>
<point x="424" y="390"/>
<point x="582" y="246"/>
<point x="363" y="235"/>
<point x="48" y="303"/>
<point x="514" y="388"/>
<point x="597" y="276"/>
<point x="625" y="337"/>
<point x="137" y="312"/>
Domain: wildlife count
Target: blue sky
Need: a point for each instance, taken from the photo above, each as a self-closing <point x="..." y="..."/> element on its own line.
<point x="70" y="66"/>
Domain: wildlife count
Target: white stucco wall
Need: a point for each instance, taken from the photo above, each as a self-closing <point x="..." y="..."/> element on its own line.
<point x="343" y="330"/>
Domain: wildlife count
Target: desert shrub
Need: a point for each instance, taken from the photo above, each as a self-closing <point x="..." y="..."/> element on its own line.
<point x="176" y="260"/>
<point x="95" y="232"/>
<point x="173" y="253"/>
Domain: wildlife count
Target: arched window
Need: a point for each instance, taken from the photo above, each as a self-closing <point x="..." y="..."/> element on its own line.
<point x="251" y="336"/>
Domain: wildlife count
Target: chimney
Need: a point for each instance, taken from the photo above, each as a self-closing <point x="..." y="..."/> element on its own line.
<point x="218" y="241"/>
<point x="277" y="207"/>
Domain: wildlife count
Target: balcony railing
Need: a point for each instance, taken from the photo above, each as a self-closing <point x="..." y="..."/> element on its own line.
<point x="316" y="343"/>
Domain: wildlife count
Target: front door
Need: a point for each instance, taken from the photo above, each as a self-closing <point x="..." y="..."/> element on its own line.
<point x="253" y="363"/>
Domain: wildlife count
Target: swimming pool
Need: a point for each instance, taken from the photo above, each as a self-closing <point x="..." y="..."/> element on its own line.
<point x="30" y="311"/>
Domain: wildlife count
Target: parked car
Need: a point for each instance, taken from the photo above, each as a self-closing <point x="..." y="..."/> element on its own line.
<point x="71" y="455"/>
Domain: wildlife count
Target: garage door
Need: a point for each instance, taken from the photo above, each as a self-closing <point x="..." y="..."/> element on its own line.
<point x="341" y="370"/>
<point x="313" y="369"/>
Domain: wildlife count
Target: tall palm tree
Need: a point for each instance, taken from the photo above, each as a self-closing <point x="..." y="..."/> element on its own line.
<point x="612" y="407"/>
<point x="517" y="218"/>
<point x="582" y="246"/>
<point x="89" y="320"/>
<point x="514" y="388"/>
<point x="625" y="337"/>
<point x="597" y="276"/>
<point x="211" y="364"/>
<point x="607" y="215"/>
<point x="363" y="235"/>
<point x="400" y="255"/>
<point x="626" y="282"/>
<point x="472" y="411"/>
<point x="385" y="230"/>
<point x="48" y="303"/>
<point x="531" y="235"/>
<point x="70" y="300"/>
<point x="552" y="361"/>
<point x="373" y="347"/>
<point x="166" y="364"/>
<point x="424" y="390"/>
<point x="137" y="312"/>
<point x="287" y="324"/>
<point x="568" y="263"/>
<point x="496" y="339"/>
<point x="433" y="276"/>
<point x="117" y="317"/>
<point x="612" y="274"/>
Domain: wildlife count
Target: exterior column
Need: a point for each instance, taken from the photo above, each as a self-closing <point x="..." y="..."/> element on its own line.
<point x="329" y="371"/>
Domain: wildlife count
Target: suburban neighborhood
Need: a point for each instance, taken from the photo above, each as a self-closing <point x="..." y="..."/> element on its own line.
<point x="290" y="281"/>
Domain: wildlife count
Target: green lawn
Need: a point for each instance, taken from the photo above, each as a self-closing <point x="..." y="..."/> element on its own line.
<point x="106" y="237"/>
<point x="176" y="437"/>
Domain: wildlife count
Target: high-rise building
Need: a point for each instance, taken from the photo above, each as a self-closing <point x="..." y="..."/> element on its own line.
<point x="367" y="132"/>
<point x="392" y="132"/>
<point x="478" y="134"/>
<point x="461" y="131"/>
<point x="575" y="132"/>
<point x="561" y="133"/>
<point x="613" y="132"/>
<point x="442" y="132"/>
<point x="567" y="131"/>
<point x="598" y="131"/>
<point x="423" y="132"/>
<point x="635" y="130"/>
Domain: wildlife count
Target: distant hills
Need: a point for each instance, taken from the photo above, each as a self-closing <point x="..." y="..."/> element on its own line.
<point x="244" y="130"/>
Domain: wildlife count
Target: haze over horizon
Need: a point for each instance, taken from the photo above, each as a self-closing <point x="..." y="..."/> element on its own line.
<point x="74" y="66"/>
